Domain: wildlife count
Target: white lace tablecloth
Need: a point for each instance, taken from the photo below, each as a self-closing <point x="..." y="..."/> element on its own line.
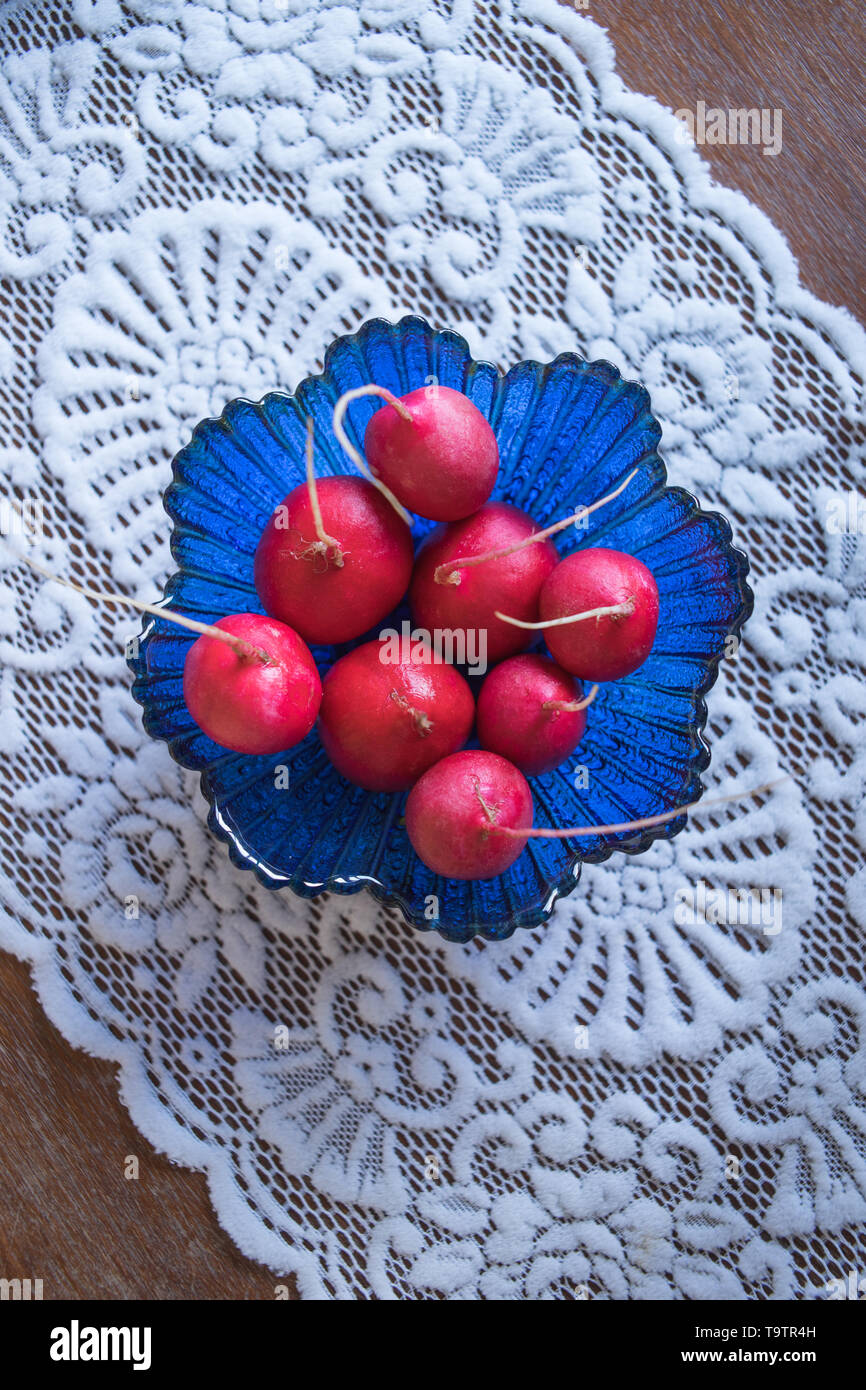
<point x="194" y="199"/>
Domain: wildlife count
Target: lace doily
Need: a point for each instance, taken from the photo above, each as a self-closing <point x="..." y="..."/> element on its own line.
<point x="635" y="1102"/>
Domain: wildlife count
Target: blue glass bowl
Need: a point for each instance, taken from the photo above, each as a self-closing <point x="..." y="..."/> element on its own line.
<point x="568" y="433"/>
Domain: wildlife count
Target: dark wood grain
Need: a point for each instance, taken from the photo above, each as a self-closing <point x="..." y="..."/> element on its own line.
<point x="67" y="1214"/>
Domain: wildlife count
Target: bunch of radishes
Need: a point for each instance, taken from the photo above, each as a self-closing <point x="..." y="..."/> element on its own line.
<point x="337" y="556"/>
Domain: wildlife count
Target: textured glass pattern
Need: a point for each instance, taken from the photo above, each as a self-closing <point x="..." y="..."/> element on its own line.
<point x="568" y="433"/>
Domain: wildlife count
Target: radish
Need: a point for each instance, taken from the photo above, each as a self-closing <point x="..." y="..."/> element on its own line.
<point x="447" y="573"/>
<point x="599" y="613"/>
<point x="383" y="723"/>
<point x="453" y="810"/>
<point x="249" y="682"/>
<point x="334" y="558"/>
<point x="259" y="696"/>
<point x="531" y="712"/>
<point x="447" y="596"/>
<point x="470" y="816"/>
<point x="432" y="449"/>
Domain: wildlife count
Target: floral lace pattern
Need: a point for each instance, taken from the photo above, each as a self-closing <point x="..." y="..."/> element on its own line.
<point x="646" y="1099"/>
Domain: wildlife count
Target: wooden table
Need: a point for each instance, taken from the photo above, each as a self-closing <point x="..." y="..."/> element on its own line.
<point x="67" y="1213"/>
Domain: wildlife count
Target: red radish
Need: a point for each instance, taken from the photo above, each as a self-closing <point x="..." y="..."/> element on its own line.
<point x="260" y="701"/>
<point x="454" y="810"/>
<point x="383" y="722"/>
<point x="441" y="462"/>
<point x="445" y="574"/>
<point x="431" y="449"/>
<point x="531" y="712"/>
<point x="470" y="816"/>
<point x="464" y="598"/>
<point x="599" y="613"/>
<point x="334" y="558"/>
<point x="249" y="682"/>
<point x="333" y="591"/>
